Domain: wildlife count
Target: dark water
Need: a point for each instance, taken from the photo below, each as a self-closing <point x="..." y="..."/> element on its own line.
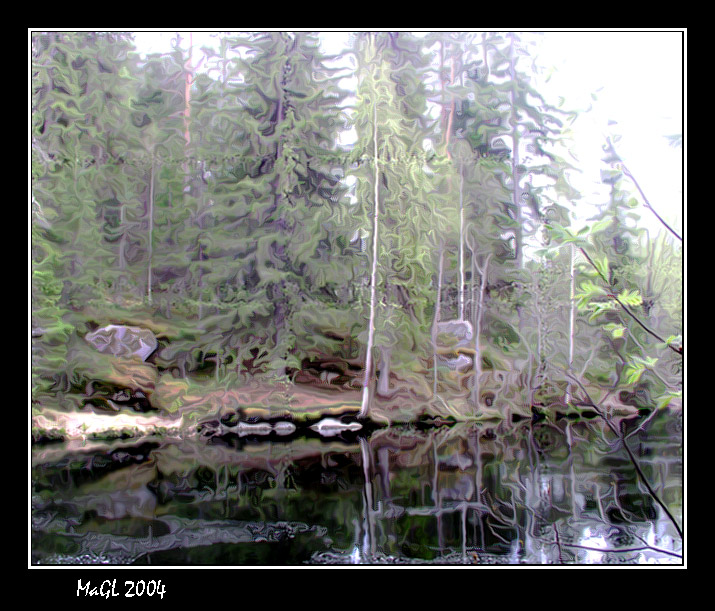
<point x="532" y="493"/>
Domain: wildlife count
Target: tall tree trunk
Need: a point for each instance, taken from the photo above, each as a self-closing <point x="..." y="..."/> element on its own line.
<point x="516" y="192"/>
<point x="383" y="386"/>
<point x="187" y="92"/>
<point x="373" y="277"/>
<point x="280" y="316"/>
<point x="122" y="241"/>
<point x="437" y="305"/>
<point x="186" y="165"/>
<point x="536" y="380"/>
<point x="150" y="214"/>
<point x="451" y="111"/>
<point x="279" y="296"/>
<point x="572" y="316"/>
<point x="460" y="296"/>
<point x="478" y="329"/>
<point x="445" y="119"/>
<point x="201" y="283"/>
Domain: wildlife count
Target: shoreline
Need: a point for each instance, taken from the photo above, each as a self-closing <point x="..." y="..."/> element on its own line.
<point x="213" y="416"/>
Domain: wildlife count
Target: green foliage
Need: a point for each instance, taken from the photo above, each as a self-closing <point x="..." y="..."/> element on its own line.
<point x="218" y="205"/>
<point x="635" y="369"/>
<point x="621" y="268"/>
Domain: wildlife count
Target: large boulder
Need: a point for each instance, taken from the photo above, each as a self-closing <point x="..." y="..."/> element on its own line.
<point x="123" y="341"/>
<point x="461" y="362"/>
<point x="453" y="334"/>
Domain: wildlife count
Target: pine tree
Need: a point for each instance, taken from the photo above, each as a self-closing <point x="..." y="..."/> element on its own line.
<point x="81" y="128"/>
<point x="270" y="195"/>
<point x="393" y="194"/>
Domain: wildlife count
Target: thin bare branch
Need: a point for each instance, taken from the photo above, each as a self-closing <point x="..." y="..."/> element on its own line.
<point x="627" y="172"/>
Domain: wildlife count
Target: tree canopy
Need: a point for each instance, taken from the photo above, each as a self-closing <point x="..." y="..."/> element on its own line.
<point x="209" y="197"/>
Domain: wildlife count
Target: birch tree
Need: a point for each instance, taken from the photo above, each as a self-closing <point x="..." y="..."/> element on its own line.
<point x="396" y="188"/>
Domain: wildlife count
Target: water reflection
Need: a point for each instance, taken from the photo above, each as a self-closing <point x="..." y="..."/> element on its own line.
<point x="467" y="494"/>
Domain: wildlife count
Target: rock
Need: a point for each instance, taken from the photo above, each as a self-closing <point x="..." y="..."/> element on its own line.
<point x="454" y="333"/>
<point x="284" y="428"/>
<point x="461" y="363"/>
<point x="330" y="426"/>
<point x="328" y="376"/>
<point x="123" y="341"/>
<point x="460" y="329"/>
<point x="260" y="428"/>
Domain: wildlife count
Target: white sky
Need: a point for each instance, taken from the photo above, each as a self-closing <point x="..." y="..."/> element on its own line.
<point x="637" y="80"/>
<point x="640" y="77"/>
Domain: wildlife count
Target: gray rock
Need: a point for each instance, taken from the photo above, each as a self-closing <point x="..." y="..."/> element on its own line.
<point x="459" y="329"/>
<point x="451" y="334"/>
<point x="123" y="341"/>
<point x="284" y="428"/>
<point x="461" y="363"/>
<point x="330" y="426"/>
<point x="259" y="428"/>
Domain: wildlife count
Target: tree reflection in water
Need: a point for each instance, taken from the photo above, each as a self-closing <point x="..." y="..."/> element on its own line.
<point x="535" y="494"/>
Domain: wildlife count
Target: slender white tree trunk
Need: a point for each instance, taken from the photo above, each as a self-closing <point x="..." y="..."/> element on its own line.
<point x="187" y="91"/>
<point x="461" y="241"/>
<point x="478" y="331"/>
<point x="150" y="213"/>
<point x="437" y="304"/>
<point x="383" y="387"/>
<point x="572" y="316"/>
<point x="122" y="241"/>
<point x="373" y="277"/>
<point x="516" y="192"/>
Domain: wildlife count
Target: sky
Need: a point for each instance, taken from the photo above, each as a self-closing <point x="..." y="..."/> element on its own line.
<point x="637" y="79"/>
<point x="628" y="84"/>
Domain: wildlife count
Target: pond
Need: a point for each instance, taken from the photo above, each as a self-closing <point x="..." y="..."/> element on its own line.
<point x="527" y="493"/>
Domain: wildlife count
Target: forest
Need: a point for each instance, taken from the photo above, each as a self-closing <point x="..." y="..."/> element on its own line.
<point x="387" y="232"/>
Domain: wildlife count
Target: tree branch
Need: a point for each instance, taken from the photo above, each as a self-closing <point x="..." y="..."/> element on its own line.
<point x="627" y="172"/>
<point x="606" y="550"/>
<point x="622" y="439"/>
<point x="631" y="314"/>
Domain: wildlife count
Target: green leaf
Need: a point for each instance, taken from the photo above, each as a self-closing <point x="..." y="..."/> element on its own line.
<point x="649" y="361"/>
<point x="631" y="298"/>
<point x="633" y="372"/>
<point x="615" y="329"/>
<point x="635" y="369"/>
<point x="601" y="225"/>
<point x="599" y="307"/>
<point x="602" y="265"/>
<point x="589" y="290"/>
<point x="665" y="399"/>
<point x="673" y="339"/>
<point x="592" y="289"/>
